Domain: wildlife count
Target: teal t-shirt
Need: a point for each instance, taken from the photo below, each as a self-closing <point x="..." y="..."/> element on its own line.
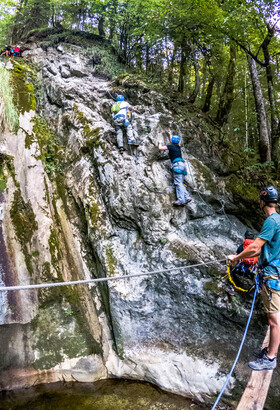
<point x="271" y="249"/>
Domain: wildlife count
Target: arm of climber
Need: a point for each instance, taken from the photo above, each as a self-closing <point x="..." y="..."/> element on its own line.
<point x="162" y="147"/>
<point x="252" y="250"/>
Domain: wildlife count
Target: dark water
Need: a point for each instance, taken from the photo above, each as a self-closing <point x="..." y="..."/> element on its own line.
<point x="101" y="395"/>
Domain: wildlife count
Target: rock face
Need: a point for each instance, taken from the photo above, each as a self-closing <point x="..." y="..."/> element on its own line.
<point x="74" y="208"/>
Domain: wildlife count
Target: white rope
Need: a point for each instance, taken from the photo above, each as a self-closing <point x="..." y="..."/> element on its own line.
<point x="80" y="282"/>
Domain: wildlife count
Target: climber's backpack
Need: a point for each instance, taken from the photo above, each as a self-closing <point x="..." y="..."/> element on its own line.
<point x="116" y="107"/>
<point x="249" y="261"/>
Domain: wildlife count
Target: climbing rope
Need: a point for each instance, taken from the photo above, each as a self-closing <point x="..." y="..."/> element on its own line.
<point x="234" y="284"/>
<point x="241" y="344"/>
<point x="222" y="209"/>
<point x="85" y="281"/>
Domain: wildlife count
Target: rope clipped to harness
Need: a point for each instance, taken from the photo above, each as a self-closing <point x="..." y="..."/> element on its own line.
<point x="234" y="284"/>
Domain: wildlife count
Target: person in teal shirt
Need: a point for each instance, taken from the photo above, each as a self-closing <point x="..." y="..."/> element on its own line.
<point x="271" y="249"/>
<point x="267" y="245"/>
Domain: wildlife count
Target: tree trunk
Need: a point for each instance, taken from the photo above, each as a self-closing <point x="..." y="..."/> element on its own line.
<point x="147" y="58"/>
<point x="209" y="92"/>
<point x="264" y="144"/>
<point x="112" y="20"/>
<point x="271" y="97"/>
<point x="195" y="92"/>
<point x="138" y="54"/>
<point x="101" y="30"/>
<point x="182" y="75"/>
<point x="227" y="96"/>
<point x="171" y="68"/>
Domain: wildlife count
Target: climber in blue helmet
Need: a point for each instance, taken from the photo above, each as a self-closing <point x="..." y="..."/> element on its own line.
<point x="267" y="245"/>
<point x="178" y="169"/>
<point x="121" y="112"/>
<point x="120" y="97"/>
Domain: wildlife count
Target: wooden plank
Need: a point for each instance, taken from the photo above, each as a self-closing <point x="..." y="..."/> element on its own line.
<point x="254" y="395"/>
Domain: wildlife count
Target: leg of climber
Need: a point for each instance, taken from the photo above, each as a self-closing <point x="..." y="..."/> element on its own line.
<point x="130" y="134"/>
<point x="183" y="197"/>
<point x="274" y="341"/>
<point x="267" y="245"/>
<point x="119" y="138"/>
<point x="271" y="303"/>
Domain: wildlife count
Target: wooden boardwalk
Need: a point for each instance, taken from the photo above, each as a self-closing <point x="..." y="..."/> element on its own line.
<point x="254" y="395"/>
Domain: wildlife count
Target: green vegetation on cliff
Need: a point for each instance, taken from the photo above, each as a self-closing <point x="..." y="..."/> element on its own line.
<point x="8" y="111"/>
<point x="25" y="225"/>
<point x="22" y="78"/>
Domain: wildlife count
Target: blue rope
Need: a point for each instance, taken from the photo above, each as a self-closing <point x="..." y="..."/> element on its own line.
<point x="241" y="344"/>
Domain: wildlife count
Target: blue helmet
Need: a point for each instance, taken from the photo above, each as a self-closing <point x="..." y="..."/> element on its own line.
<point x="175" y="139"/>
<point x="269" y="194"/>
<point x="120" y="97"/>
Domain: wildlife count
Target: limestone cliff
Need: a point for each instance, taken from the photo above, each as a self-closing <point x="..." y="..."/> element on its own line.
<point x="74" y="208"/>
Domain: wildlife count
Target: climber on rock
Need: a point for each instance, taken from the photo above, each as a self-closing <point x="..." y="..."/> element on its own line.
<point x="267" y="245"/>
<point x="121" y="111"/>
<point x="16" y="51"/>
<point x="7" y="51"/>
<point x="178" y="169"/>
<point x="246" y="268"/>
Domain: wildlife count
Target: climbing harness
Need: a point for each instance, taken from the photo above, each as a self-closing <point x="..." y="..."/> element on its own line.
<point x="272" y="283"/>
<point x="178" y="166"/>
<point x="241" y="344"/>
<point x="107" y="279"/>
<point x="234" y="284"/>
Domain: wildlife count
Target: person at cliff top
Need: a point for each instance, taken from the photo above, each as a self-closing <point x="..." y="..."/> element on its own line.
<point x="244" y="269"/>
<point x="267" y="245"/>
<point x="178" y="169"/>
<point x="16" y="51"/>
<point x="121" y="111"/>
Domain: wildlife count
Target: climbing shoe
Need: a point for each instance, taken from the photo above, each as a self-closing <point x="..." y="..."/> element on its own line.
<point x="121" y="150"/>
<point x="260" y="353"/>
<point x="264" y="363"/>
<point x="188" y="201"/>
<point x="178" y="203"/>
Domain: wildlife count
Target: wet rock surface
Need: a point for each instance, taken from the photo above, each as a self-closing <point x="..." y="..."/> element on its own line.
<point x="95" y="218"/>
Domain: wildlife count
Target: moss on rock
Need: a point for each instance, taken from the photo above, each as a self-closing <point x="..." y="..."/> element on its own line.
<point x="58" y="335"/>
<point x="184" y="251"/>
<point x="25" y="224"/>
<point x="23" y="88"/>
<point x="91" y="135"/>
<point x="242" y="189"/>
<point x="111" y="260"/>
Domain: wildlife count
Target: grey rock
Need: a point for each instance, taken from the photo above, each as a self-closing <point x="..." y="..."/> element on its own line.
<point x="177" y="328"/>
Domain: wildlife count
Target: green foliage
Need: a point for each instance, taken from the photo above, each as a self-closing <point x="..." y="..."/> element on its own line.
<point x="8" y="111"/>
<point x="22" y="78"/>
<point x="108" y="63"/>
<point x="182" y="45"/>
<point x="7" y="12"/>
